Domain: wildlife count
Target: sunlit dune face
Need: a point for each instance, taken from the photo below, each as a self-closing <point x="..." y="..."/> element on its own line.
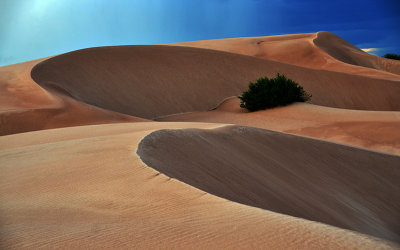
<point x="369" y="50"/>
<point x="373" y="51"/>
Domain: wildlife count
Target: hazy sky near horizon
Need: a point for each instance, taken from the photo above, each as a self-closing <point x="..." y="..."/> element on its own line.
<point x="31" y="29"/>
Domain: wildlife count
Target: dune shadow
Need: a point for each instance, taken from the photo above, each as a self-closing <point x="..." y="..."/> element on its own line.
<point x="326" y="182"/>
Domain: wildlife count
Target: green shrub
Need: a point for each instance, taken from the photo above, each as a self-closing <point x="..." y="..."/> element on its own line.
<point x="268" y="93"/>
<point x="392" y="56"/>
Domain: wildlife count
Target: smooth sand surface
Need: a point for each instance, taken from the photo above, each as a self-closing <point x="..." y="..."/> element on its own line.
<point x="346" y="52"/>
<point x="151" y="81"/>
<point x="25" y="106"/>
<point x="375" y="130"/>
<point x="321" y="50"/>
<point x="86" y="187"/>
<point x="112" y="84"/>
<point x="283" y="173"/>
<point x="101" y="195"/>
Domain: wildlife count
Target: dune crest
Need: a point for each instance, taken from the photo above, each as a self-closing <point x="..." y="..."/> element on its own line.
<point x="116" y="201"/>
<point x="346" y="52"/>
<point x="374" y="130"/>
<point x="283" y="173"/>
<point x="153" y="81"/>
<point x="121" y="181"/>
<point x="96" y="91"/>
<point x="321" y="50"/>
<point x="26" y="106"/>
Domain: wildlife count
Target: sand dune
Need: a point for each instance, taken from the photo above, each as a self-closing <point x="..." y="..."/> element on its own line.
<point x="25" y="106"/>
<point x="288" y="174"/>
<point x="321" y="50"/>
<point x="86" y="187"/>
<point x="152" y="81"/>
<point x="375" y="130"/>
<point x="100" y="195"/>
<point x="345" y="52"/>
<point x="77" y="87"/>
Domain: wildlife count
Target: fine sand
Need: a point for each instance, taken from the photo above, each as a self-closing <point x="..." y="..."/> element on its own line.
<point x="25" y="106"/>
<point x="76" y="180"/>
<point x="368" y="129"/>
<point x="283" y="173"/>
<point x="152" y="81"/>
<point x="321" y="50"/>
<point x="85" y="187"/>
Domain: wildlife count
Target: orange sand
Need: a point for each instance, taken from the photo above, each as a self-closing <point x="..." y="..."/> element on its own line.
<point x="25" y="106"/>
<point x="86" y="187"/>
<point x="322" y="50"/>
<point x="368" y="129"/>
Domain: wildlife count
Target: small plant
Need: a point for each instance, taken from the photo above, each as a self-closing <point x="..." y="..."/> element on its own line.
<point x="268" y="93"/>
<point x="392" y="56"/>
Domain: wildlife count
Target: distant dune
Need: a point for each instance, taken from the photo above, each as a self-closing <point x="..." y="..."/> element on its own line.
<point x="152" y="81"/>
<point x="84" y="166"/>
<point x="350" y="54"/>
<point x="89" y="86"/>
<point x="322" y="50"/>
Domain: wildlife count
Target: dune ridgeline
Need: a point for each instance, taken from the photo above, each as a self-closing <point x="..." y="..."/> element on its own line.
<point x="147" y="147"/>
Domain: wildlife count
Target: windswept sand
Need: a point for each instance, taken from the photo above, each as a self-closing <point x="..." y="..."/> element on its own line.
<point x="321" y="50"/>
<point x="101" y="195"/>
<point x="375" y="130"/>
<point x="25" y="106"/>
<point x="85" y="187"/>
<point x="346" y="52"/>
<point x="134" y="83"/>
<point x="152" y="81"/>
<point x="283" y="173"/>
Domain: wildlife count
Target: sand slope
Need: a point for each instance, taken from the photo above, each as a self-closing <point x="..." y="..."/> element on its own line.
<point x="25" y="106"/>
<point x="102" y="196"/>
<point x="375" y="130"/>
<point x="86" y="187"/>
<point x="321" y="50"/>
<point x="152" y="81"/>
<point x="345" y="52"/>
<point x="288" y="174"/>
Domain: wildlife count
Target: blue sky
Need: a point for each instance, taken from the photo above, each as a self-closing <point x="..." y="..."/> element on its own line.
<point x="31" y="29"/>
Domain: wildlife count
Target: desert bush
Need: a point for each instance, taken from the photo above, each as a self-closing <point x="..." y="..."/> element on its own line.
<point x="392" y="56"/>
<point x="268" y="93"/>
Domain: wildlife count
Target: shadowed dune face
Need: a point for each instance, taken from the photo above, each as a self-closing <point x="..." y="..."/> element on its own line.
<point x="26" y="106"/>
<point x="68" y="113"/>
<point x="375" y="130"/>
<point x="86" y="188"/>
<point x="321" y="50"/>
<point x="153" y="81"/>
<point x="340" y="49"/>
<point x="338" y="185"/>
<point x="99" y="186"/>
<point x="346" y="52"/>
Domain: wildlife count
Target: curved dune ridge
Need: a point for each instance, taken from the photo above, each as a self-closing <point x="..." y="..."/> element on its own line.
<point x="346" y="52"/>
<point x="316" y="180"/>
<point x="153" y="81"/>
<point x="321" y="50"/>
<point x="101" y="195"/>
<point x="25" y="106"/>
<point x="375" y="130"/>
<point x="136" y="85"/>
<point x="123" y="181"/>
